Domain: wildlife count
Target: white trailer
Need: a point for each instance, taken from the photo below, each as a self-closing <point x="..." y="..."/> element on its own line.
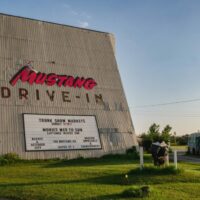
<point x="194" y="143"/>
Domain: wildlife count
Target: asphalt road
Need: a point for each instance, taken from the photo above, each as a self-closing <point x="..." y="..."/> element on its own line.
<point x="186" y="158"/>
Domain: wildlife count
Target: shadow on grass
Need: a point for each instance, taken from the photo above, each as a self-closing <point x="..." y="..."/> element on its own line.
<point x="106" y="197"/>
<point x="152" y="170"/>
<point x="142" y="179"/>
<point x="115" y="159"/>
<point x="88" y="162"/>
<point x="40" y="183"/>
<point x="105" y="160"/>
<point x="135" y="177"/>
<point x="80" y="162"/>
<point x="116" y="179"/>
<point x="197" y="169"/>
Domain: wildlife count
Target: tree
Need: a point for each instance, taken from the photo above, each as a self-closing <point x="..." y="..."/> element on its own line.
<point x="153" y="135"/>
<point x="146" y="141"/>
<point x="153" y="132"/>
<point x="182" y="140"/>
<point x="165" y="135"/>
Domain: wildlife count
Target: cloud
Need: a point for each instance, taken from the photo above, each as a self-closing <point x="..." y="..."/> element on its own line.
<point x="85" y="15"/>
<point x="81" y="16"/>
<point x="66" y="6"/>
<point x="83" y="24"/>
<point x="74" y="13"/>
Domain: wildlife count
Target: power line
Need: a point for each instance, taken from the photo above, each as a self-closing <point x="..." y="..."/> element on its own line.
<point x="168" y="103"/>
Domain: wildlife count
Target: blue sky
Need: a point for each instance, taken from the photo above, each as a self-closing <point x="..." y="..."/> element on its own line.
<point x="158" y="45"/>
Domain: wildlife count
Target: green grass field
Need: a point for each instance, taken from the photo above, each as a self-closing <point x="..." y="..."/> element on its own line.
<point x="180" y="148"/>
<point x="94" y="179"/>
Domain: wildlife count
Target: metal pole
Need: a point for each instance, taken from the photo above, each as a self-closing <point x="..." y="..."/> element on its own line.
<point x="175" y="159"/>
<point x="141" y="158"/>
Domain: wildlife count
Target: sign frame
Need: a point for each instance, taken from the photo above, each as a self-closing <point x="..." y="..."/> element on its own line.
<point x="59" y="150"/>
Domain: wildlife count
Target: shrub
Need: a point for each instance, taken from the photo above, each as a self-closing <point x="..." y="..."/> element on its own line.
<point x="132" y="152"/>
<point x="9" y="158"/>
<point x="129" y="155"/>
<point x="136" y="192"/>
<point x="112" y="156"/>
<point x="170" y="150"/>
<point x="3" y="161"/>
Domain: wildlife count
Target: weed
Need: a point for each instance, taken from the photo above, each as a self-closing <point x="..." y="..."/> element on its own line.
<point x="136" y="192"/>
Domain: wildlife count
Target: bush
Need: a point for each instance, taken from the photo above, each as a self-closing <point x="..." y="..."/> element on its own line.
<point x="3" y="161"/>
<point x="9" y="158"/>
<point x="170" y="150"/>
<point x="136" y="192"/>
<point x="146" y="143"/>
<point x="132" y="152"/>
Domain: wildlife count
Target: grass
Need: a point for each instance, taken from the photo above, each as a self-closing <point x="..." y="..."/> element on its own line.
<point x="97" y="179"/>
<point x="180" y="147"/>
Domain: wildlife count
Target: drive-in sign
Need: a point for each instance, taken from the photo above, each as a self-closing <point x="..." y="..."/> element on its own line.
<point x="60" y="132"/>
<point x="27" y="74"/>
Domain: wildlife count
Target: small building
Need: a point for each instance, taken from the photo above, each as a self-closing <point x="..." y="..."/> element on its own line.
<point x="194" y="143"/>
<point x="61" y="95"/>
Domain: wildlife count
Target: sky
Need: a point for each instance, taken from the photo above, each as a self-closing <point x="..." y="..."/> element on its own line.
<point x="157" y="51"/>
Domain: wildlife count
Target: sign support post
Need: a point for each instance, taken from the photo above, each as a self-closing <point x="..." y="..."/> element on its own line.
<point x="175" y="159"/>
<point x="167" y="159"/>
<point x="141" y="158"/>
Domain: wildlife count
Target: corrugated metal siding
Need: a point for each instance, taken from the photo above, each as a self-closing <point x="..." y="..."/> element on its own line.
<point x="75" y="52"/>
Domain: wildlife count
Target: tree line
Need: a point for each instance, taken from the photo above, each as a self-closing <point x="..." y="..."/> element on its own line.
<point x="155" y="135"/>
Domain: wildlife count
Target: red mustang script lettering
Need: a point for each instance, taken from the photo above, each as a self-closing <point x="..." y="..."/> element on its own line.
<point x="26" y="74"/>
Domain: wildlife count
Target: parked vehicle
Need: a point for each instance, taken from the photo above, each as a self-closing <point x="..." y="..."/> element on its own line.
<point x="194" y="143"/>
